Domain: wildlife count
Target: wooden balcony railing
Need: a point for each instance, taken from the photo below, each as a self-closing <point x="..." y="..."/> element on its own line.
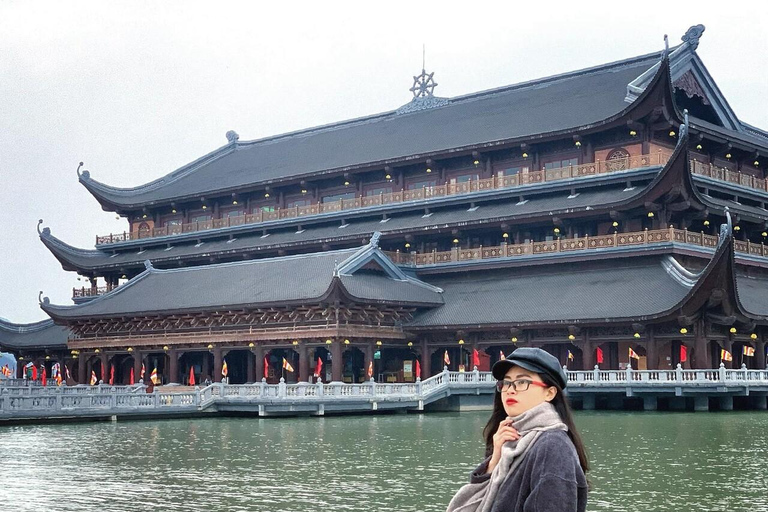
<point x="564" y="245"/>
<point x="449" y="189"/>
<point x="91" y="292"/>
<point x="723" y="174"/>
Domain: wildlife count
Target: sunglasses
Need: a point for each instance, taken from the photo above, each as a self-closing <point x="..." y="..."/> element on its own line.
<point x="518" y="385"/>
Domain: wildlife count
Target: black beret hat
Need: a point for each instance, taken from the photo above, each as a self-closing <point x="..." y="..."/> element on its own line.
<point x="532" y="359"/>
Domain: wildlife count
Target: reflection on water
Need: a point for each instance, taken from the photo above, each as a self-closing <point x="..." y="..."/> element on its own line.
<point x="641" y="461"/>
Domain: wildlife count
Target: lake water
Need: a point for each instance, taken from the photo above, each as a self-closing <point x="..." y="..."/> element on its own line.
<point x="641" y="462"/>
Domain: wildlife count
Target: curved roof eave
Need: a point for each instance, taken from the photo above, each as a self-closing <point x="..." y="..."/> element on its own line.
<point x="113" y="198"/>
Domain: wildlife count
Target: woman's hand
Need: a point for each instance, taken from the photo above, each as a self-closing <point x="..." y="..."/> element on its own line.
<point x="505" y="432"/>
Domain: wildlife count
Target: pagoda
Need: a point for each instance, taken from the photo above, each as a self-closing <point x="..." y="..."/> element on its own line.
<point x="613" y="216"/>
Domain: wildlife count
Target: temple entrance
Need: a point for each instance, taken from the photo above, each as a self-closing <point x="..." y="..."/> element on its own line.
<point x="395" y="365"/>
<point x="157" y="361"/>
<point x="354" y="370"/>
<point x="495" y="352"/>
<point x="237" y="366"/>
<point x="194" y="361"/>
<point x="123" y="365"/>
<point x="325" y="371"/>
<point x="276" y="371"/>
<point x="609" y="353"/>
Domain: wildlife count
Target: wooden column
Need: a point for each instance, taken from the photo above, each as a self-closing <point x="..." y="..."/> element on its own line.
<point x="701" y="356"/>
<point x="137" y="365"/>
<point x="173" y="366"/>
<point x="217" y="364"/>
<point x="337" y="361"/>
<point x="81" y="369"/>
<point x="258" y="356"/>
<point x="370" y="348"/>
<point x="250" y="369"/>
<point x="104" y="367"/>
<point x="760" y="355"/>
<point x="426" y="356"/>
<point x="303" y="362"/>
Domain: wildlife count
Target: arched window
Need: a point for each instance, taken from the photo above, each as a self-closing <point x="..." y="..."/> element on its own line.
<point x="143" y="230"/>
<point x="617" y="160"/>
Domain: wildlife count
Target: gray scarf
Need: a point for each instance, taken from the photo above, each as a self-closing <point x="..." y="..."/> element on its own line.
<point x="480" y="497"/>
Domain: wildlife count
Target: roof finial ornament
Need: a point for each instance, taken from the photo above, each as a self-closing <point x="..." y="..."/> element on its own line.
<point x="232" y="136"/>
<point x="85" y="174"/>
<point x="665" y="53"/>
<point x="727" y="228"/>
<point x="683" y="127"/>
<point x="424" y="84"/>
<point x="41" y="299"/>
<point x="375" y="239"/>
<point x="148" y="265"/>
<point x="693" y="35"/>
<point x="335" y="268"/>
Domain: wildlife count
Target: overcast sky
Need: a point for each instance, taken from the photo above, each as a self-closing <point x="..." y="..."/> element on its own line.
<point x="138" y="89"/>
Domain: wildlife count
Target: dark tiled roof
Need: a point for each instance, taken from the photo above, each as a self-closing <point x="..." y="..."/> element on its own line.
<point x="753" y="294"/>
<point x="37" y="335"/>
<point x="545" y="106"/>
<point x="356" y="229"/>
<point x="625" y="289"/>
<point x="289" y="279"/>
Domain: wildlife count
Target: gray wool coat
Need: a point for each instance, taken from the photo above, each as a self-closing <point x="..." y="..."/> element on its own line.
<point x="549" y="479"/>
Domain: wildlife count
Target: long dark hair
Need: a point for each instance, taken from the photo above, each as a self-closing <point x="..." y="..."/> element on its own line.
<point x="560" y="404"/>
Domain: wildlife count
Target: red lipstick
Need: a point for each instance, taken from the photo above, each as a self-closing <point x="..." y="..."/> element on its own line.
<point x="511" y="401"/>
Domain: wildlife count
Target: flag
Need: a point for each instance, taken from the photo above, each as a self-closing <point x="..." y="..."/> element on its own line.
<point x="683" y="353"/>
<point x="475" y="357"/>
<point x="43" y="377"/>
<point x="370" y="369"/>
<point x="34" y="372"/>
<point x="56" y="373"/>
<point x="6" y="371"/>
<point x="502" y="357"/>
<point x="446" y="359"/>
<point x="748" y="351"/>
<point x="570" y="355"/>
<point x="224" y="369"/>
<point x="94" y="380"/>
<point x="633" y="354"/>
<point x="418" y="369"/>
<point x="112" y="375"/>
<point x="69" y="375"/>
<point x="132" y="379"/>
<point x="287" y="366"/>
<point x="725" y="355"/>
<point x="153" y="376"/>
<point x="143" y="370"/>
<point x="318" y="367"/>
<point x="266" y="367"/>
<point x="599" y="355"/>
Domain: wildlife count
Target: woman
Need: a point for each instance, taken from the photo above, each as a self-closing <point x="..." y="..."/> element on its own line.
<point x="535" y="460"/>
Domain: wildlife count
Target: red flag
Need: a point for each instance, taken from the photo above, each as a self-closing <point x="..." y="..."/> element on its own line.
<point x="191" y="376"/>
<point x="34" y="372"/>
<point x="418" y="369"/>
<point x="112" y="375"/>
<point x="683" y="353"/>
<point x="599" y="355"/>
<point x="43" y="377"/>
<point x="318" y="367"/>
<point x="132" y="379"/>
<point x="475" y="357"/>
<point x="370" y="369"/>
<point x="266" y="367"/>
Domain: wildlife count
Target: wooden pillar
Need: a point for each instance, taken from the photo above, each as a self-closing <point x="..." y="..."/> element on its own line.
<point x="173" y="366"/>
<point x="426" y="356"/>
<point x="217" y="364"/>
<point x="104" y="367"/>
<point x="303" y="362"/>
<point x="258" y="356"/>
<point x="701" y="356"/>
<point x="81" y="369"/>
<point x="136" y="365"/>
<point x="250" y="369"/>
<point x="760" y="355"/>
<point x="337" y="361"/>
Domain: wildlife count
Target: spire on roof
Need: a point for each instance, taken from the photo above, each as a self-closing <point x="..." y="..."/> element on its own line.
<point x="693" y="35"/>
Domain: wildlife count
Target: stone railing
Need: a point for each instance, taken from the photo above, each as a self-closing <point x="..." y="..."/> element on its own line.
<point x="449" y="189"/>
<point x="564" y="245"/>
<point x="677" y="376"/>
